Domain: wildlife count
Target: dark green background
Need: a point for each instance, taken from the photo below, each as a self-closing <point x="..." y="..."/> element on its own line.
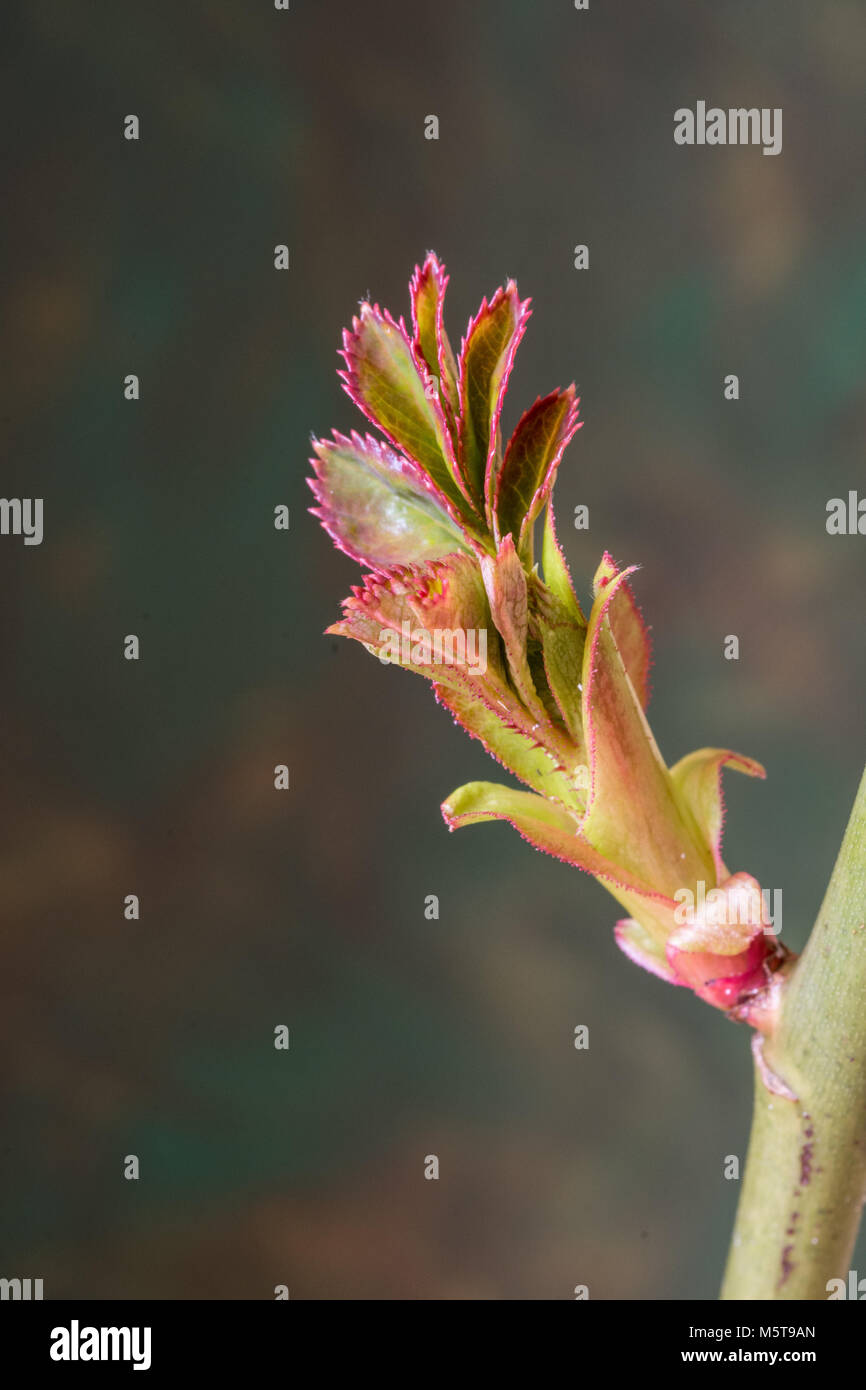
<point x="306" y="908"/>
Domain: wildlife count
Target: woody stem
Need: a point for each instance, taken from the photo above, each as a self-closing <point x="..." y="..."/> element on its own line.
<point x="805" y="1179"/>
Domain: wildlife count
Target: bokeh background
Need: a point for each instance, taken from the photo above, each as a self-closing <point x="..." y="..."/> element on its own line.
<point x="408" y="1037"/>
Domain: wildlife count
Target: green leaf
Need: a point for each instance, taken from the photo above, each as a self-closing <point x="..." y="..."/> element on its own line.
<point x="486" y="801"/>
<point x="562" y="643"/>
<point x="628" y="627"/>
<point x="427" y="292"/>
<point x="486" y="356"/>
<point x="378" y="507"/>
<point x="634" y="816"/>
<point x="512" y="743"/>
<point x="556" y="575"/>
<point x="523" y="483"/>
<point x="698" y="782"/>
<point x="384" y="378"/>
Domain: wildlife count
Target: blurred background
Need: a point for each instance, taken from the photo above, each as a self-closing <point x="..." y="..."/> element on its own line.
<point x="409" y="1037"/>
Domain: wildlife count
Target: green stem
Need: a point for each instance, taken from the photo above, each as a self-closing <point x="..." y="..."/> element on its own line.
<point x="805" y="1178"/>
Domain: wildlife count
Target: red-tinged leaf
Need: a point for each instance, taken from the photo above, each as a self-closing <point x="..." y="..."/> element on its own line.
<point x="634" y="816"/>
<point x="375" y="609"/>
<point x="505" y="582"/>
<point x="697" y="779"/>
<point x="427" y="291"/>
<point x="556" y="575"/>
<point x="432" y="619"/>
<point x="642" y="948"/>
<point x="384" y="378"/>
<point x="486" y="355"/>
<point x="380" y="508"/>
<point x="450" y="593"/>
<point x="504" y="731"/>
<point x="629" y="629"/>
<point x="447" y="591"/>
<point x="397" y="616"/>
<point x="523" y="483"/>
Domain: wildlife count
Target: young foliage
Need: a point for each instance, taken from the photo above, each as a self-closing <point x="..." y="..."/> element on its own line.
<point x="442" y="517"/>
